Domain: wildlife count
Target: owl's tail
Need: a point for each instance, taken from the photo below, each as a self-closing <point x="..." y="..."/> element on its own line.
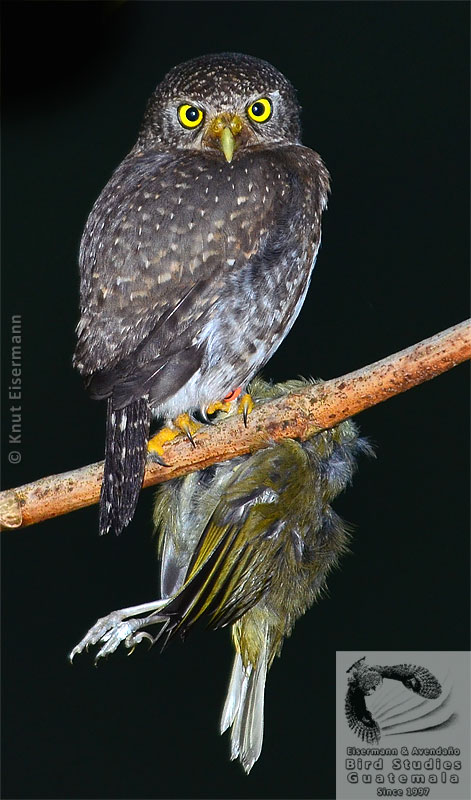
<point x="244" y="707"/>
<point x="127" y="434"/>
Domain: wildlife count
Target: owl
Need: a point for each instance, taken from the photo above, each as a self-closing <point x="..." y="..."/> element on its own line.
<point x="196" y="258"/>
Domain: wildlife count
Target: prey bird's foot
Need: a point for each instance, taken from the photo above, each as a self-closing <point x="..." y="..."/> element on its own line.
<point x="182" y="424"/>
<point x="246" y="405"/>
<point x="109" y="632"/>
<point x="120" y="626"/>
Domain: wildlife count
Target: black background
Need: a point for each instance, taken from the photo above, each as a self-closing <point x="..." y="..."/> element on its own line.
<point x="384" y="89"/>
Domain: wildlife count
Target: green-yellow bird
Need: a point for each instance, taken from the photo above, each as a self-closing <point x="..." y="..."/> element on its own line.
<point x="247" y="543"/>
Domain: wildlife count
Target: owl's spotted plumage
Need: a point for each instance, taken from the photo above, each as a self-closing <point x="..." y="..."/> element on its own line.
<point x="197" y="255"/>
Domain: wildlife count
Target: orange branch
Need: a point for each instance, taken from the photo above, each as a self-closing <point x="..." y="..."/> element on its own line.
<point x="298" y="415"/>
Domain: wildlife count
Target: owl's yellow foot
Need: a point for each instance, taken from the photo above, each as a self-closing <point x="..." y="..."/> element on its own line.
<point x="246" y="405"/>
<point x="224" y="404"/>
<point x="182" y="424"/>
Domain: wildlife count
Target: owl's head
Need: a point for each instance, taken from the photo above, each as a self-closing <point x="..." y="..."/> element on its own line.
<point x="221" y="104"/>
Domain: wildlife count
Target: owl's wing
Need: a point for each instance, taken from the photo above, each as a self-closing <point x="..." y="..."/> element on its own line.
<point x="359" y="719"/>
<point x="419" y="679"/>
<point x="156" y="262"/>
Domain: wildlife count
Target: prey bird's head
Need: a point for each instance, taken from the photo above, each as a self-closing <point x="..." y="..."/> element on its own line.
<point x="220" y="105"/>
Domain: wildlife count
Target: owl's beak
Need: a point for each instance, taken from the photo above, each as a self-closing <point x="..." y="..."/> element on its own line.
<point x="227" y="141"/>
<point x="224" y="133"/>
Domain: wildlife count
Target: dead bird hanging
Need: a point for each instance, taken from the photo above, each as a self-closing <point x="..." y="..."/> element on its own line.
<point x="248" y="544"/>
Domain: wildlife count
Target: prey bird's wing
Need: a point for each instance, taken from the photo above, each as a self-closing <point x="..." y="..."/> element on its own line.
<point x="243" y="544"/>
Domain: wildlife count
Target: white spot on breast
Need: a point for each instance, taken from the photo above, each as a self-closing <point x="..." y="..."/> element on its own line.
<point x="230" y="261"/>
<point x="241" y="199"/>
<point x="136" y="294"/>
<point x="210" y="237"/>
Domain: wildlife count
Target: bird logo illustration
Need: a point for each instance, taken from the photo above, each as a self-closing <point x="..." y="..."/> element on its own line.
<point x="365" y="678"/>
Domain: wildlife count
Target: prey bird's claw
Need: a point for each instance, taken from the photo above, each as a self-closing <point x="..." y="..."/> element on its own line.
<point x="109" y="632"/>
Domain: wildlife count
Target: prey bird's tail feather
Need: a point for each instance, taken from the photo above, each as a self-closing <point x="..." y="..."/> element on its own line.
<point x="127" y="434"/>
<point x="243" y="710"/>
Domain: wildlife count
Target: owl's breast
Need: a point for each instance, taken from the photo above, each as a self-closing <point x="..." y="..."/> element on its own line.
<point x="239" y="236"/>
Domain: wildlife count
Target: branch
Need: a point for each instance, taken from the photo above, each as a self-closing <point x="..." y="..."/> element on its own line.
<point x="298" y="415"/>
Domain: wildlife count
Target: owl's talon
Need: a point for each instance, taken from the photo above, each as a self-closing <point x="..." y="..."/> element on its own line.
<point x="204" y="416"/>
<point x="246" y="405"/>
<point x="188" y="426"/>
<point x="155" y="458"/>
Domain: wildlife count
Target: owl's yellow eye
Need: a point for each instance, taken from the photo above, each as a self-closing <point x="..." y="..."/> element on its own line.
<point x="261" y="110"/>
<point x="190" y="116"/>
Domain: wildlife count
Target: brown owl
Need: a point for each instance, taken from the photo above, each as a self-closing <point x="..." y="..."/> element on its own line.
<point x="196" y="258"/>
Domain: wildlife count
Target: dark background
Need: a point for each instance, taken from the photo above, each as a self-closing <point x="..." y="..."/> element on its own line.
<point x="385" y="91"/>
